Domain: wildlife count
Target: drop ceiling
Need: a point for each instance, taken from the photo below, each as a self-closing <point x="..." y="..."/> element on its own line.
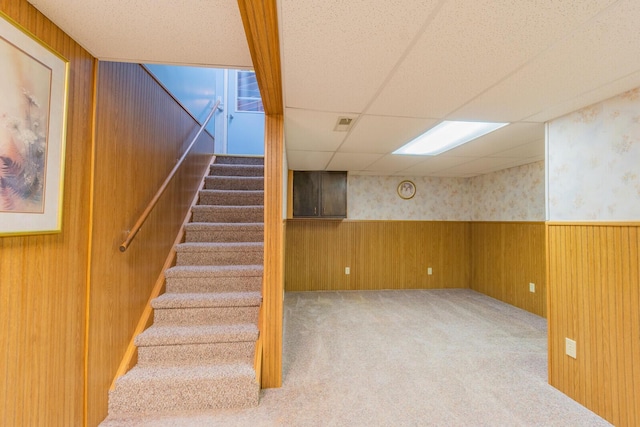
<point x="396" y="67"/>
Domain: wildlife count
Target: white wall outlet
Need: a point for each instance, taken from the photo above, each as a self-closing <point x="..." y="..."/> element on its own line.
<point x="429" y="271"/>
<point x="532" y="287"/>
<point x="347" y="270"/>
<point x="570" y="347"/>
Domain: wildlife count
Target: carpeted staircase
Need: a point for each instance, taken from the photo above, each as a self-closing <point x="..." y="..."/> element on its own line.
<point x="198" y="354"/>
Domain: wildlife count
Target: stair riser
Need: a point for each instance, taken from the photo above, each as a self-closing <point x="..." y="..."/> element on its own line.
<point x="182" y="395"/>
<point x="214" y="214"/>
<point x="214" y="284"/>
<point x="217" y="183"/>
<point x="194" y="354"/>
<point x="205" y="316"/>
<point x="232" y="160"/>
<point x="231" y="199"/>
<point x="224" y="236"/>
<point x="237" y="170"/>
<point x="220" y="258"/>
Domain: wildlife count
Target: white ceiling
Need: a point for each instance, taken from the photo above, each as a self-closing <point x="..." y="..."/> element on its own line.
<point x="397" y="67"/>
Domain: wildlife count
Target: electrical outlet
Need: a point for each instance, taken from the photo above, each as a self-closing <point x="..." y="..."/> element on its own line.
<point x="347" y="270"/>
<point x="429" y="271"/>
<point x="570" y="347"/>
<point x="532" y="287"/>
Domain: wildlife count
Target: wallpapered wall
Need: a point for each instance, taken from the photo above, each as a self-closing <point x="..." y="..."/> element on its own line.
<point x="375" y="197"/>
<point x="594" y="162"/>
<point x="515" y="194"/>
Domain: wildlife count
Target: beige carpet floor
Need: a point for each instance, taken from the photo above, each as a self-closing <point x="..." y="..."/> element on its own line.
<point x="405" y="358"/>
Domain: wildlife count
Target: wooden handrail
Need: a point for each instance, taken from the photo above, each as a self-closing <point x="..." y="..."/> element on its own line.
<point x="145" y="214"/>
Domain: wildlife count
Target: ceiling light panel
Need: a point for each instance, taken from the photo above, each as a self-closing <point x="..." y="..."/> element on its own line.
<point x="447" y="135"/>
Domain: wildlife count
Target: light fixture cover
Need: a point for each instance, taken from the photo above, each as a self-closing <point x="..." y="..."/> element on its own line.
<point x="447" y="135"/>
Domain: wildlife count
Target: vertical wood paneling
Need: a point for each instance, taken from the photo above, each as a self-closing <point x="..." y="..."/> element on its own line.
<point x="140" y="133"/>
<point x="260" y="22"/>
<point x="380" y="255"/>
<point x="43" y="278"/>
<point x="273" y="283"/>
<point x="505" y="258"/>
<point x="594" y="298"/>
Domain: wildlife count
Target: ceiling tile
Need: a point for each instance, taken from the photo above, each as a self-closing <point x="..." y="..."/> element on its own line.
<point x="514" y="163"/>
<point x="312" y="130"/>
<point x="383" y="134"/>
<point x="154" y="31"/>
<point x="481" y="165"/>
<point x="336" y="54"/>
<point x="308" y="160"/>
<point x="352" y="161"/>
<point x="590" y="97"/>
<point x="605" y="50"/>
<point x="435" y="164"/>
<point x="365" y="173"/>
<point x="469" y="47"/>
<point x="394" y="163"/>
<point x="525" y="151"/>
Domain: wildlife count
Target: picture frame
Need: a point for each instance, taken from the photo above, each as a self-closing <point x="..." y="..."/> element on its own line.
<point x="406" y="189"/>
<point x="33" y="112"/>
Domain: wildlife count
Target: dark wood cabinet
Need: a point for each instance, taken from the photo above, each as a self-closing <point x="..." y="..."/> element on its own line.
<point x="319" y="194"/>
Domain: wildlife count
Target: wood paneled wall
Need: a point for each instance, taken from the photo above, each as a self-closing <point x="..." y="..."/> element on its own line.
<point x="273" y="283"/>
<point x="140" y="133"/>
<point x="380" y="255"/>
<point x="43" y="278"/>
<point x="260" y="20"/>
<point x="594" y="299"/>
<point x="505" y="258"/>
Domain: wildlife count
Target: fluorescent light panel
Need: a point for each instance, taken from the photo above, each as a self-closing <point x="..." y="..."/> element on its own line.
<point x="447" y="135"/>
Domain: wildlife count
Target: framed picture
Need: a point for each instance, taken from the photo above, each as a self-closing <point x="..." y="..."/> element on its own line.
<point x="33" y="108"/>
<point x="406" y="189"/>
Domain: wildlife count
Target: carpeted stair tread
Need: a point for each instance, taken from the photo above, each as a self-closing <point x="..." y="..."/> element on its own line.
<point x="235" y="227"/>
<point x="204" y="271"/>
<point x="224" y="232"/>
<point x="231" y="197"/>
<point x="231" y="226"/>
<point x="234" y="183"/>
<point x="188" y="372"/>
<point x="219" y="247"/>
<point x="197" y="354"/>
<point x="222" y="169"/>
<point x="214" y="278"/>
<point x="222" y="299"/>
<point x="197" y="334"/>
<point x="235" y="214"/>
<point x="239" y="160"/>
<point x="227" y="253"/>
<point x="164" y="389"/>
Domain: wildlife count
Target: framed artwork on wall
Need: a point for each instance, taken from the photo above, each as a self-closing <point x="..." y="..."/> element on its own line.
<point x="406" y="189"/>
<point x="33" y="108"/>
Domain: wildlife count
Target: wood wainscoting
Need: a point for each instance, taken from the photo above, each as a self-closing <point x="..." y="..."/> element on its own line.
<point x="505" y="258"/>
<point x="594" y="299"/>
<point x="379" y="254"/>
<point x="43" y="277"/>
